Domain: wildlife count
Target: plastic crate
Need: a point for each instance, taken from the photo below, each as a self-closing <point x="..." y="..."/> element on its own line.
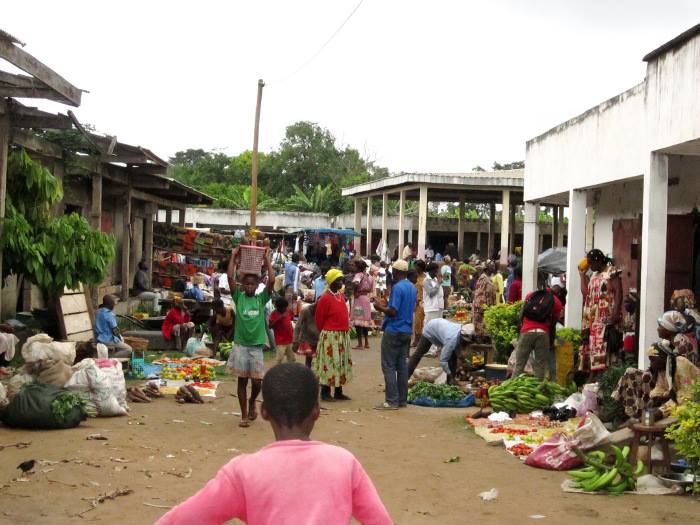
<point x="251" y="259"/>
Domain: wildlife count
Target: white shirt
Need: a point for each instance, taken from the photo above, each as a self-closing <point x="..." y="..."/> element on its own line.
<point x="436" y="302"/>
<point x="224" y="285"/>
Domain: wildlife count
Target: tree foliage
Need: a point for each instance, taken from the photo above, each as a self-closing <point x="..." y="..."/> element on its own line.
<point x="52" y="253"/>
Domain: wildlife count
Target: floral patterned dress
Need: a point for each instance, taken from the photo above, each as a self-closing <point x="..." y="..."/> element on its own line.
<point x="333" y="365"/>
<point x="484" y="295"/>
<point x="598" y="308"/>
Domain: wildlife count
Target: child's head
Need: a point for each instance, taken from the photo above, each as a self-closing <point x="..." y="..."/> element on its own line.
<point x="281" y="304"/>
<point x="250" y="284"/>
<point x="290" y="399"/>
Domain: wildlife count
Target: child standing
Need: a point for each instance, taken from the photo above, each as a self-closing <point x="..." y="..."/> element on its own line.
<point x="249" y="335"/>
<point x="257" y="488"/>
<point x="281" y="324"/>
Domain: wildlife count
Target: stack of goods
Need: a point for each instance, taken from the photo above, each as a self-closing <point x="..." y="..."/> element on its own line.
<point x="460" y="314"/>
<point x="598" y="476"/>
<point x="525" y="394"/>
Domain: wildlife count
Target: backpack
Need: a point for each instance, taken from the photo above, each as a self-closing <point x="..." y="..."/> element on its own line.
<point x="538" y="307"/>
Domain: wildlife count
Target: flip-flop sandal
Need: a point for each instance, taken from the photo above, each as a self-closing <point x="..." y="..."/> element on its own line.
<point x="244" y="423"/>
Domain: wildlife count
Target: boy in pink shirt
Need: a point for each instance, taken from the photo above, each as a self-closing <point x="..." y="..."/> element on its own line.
<point x="292" y="481"/>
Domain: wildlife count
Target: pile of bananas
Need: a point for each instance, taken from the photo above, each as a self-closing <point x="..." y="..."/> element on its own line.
<point x="597" y="476"/>
<point x="524" y="394"/>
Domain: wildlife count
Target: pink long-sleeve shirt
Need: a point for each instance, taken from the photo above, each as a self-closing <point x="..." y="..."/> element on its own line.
<point x="285" y="483"/>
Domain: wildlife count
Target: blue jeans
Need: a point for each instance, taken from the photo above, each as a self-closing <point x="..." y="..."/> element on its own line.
<point x="394" y="354"/>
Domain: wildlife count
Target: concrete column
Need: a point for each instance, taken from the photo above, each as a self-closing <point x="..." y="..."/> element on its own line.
<point x="357" y="241"/>
<point x="574" y="253"/>
<point x="422" y="220"/>
<point x="511" y="242"/>
<point x="460" y="229"/>
<point x="168" y="215"/>
<point x="590" y="224"/>
<point x="654" y="210"/>
<point x="555" y="227"/>
<point x="148" y="241"/>
<point x="385" y="219"/>
<point x="492" y="230"/>
<point x="369" y="227"/>
<point x="96" y="201"/>
<point x="505" y="227"/>
<point x="562" y="228"/>
<point x="181" y="217"/>
<point x="531" y="235"/>
<point x="478" y="239"/>
<point x="410" y="233"/>
<point x="402" y="221"/>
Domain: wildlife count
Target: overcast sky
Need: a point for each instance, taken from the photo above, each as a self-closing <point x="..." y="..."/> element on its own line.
<point x="414" y="85"/>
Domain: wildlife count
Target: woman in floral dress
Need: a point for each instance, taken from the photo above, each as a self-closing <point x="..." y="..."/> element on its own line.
<point x="602" y="310"/>
<point x="679" y="329"/>
<point x="484" y="296"/>
<point x="333" y="361"/>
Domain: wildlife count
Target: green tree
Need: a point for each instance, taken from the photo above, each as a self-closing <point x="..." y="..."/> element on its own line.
<point x="51" y="252"/>
<point x="517" y="165"/>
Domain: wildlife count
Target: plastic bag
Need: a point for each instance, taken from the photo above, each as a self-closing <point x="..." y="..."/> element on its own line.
<point x="591" y="432"/>
<point x="42" y="347"/>
<point x="528" y="365"/>
<point x="102" y="351"/>
<point x="31" y="408"/>
<point x="574" y="401"/>
<point x="55" y="373"/>
<point x="193" y="346"/>
<point x="64" y="351"/>
<point x="113" y="370"/>
<point x="16" y="382"/>
<point x="426" y="373"/>
<point x="89" y="378"/>
<point x="590" y="399"/>
<point x="557" y="453"/>
<point x="466" y="401"/>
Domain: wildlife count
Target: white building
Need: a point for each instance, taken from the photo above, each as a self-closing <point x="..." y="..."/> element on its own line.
<point x="629" y="171"/>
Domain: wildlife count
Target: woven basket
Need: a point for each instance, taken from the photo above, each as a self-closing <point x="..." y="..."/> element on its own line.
<point x="251" y="259"/>
<point x="138" y="344"/>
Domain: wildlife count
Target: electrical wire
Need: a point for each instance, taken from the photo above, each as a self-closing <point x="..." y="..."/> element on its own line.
<point x="320" y="50"/>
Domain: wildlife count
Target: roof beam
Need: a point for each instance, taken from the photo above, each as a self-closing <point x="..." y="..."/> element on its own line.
<point x="44" y="122"/>
<point x="146" y="182"/>
<point x="31" y="142"/>
<point x="27" y="63"/>
<point x="160" y="201"/>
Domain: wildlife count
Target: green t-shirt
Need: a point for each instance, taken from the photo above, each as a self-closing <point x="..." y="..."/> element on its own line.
<point x="250" y="318"/>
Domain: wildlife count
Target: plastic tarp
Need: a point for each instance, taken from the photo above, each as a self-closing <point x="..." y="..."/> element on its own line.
<point x="552" y="261"/>
<point x="466" y="401"/>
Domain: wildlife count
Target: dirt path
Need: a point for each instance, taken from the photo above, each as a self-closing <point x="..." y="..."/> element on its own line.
<point x="404" y="453"/>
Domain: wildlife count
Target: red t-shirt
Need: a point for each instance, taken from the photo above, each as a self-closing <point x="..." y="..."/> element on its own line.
<point x="529" y="324"/>
<point x="332" y="313"/>
<point x="173" y="317"/>
<point x="515" y="291"/>
<point x="281" y="324"/>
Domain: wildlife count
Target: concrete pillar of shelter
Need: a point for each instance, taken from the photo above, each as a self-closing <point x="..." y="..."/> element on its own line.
<point x="369" y="227"/>
<point x="478" y="239"/>
<point x="531" y="235"/>
<point x="168" y="215"/>
<point x="505" y="227"/>
<point x="385" y="227"/>
<point x="402" y="221"/>
<point x="574" y="253"/>
<point x="422" y="220"/>
<point x="460" y="229"/>
<point x="126" y="246"/>
<point x="96" y="201"/>
<point x="511" y="227"/>
<point x="492" y="230"/>
<point x="148" y="241"/>
<point x="181" y="217"/>
<point x="357" y="241"/>
<point x="562" y="229"/>
<point x="555" y="227"/>
<point x="653" y="270"/>
<point x="590" y="224"/>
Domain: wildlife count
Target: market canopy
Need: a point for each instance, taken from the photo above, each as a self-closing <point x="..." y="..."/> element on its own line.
<point x="351" y="233"/>
<point x="552" y="261"/>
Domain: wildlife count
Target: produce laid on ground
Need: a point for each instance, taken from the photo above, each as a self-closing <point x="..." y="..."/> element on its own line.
<point x="143" y="395"/>
<point x="188" y="394"/>
<point x="525" y="394"/>
<point x="225" y="349"/>
<point x="202" y="372"/>
<point x="442" y="392"/>
<point x="598" y="476"/>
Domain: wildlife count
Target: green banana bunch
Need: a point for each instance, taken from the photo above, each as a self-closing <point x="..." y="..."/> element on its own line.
<point x="523" y="394"/>
<point x="598" y="476"/>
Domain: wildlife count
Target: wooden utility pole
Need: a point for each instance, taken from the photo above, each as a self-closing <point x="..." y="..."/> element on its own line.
<point x="254" y="174"/>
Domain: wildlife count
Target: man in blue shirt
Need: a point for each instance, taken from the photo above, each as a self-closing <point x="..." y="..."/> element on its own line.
<point x="106" y="330"/>
<point x="444" y="334"/>
<point x="398" y="329"/>
<point x="320" y="281"/>
<point x="291" y="273"/>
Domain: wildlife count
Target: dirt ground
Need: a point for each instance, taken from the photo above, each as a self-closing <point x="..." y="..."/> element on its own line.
<point x="164" y="452"/>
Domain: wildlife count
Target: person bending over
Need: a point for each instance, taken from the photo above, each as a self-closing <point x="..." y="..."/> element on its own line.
<point x="447" y="335"/>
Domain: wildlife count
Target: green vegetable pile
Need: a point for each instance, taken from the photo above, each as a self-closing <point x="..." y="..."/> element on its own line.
<point x="597" y="476"/>
<point x="685" y="434"/>
<point x="525" y="394"/>
<point x="437" y="392"/>
<point x="66" y="402"/>
<point x="502" y="324"/>
<point x="225" y="349"/>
